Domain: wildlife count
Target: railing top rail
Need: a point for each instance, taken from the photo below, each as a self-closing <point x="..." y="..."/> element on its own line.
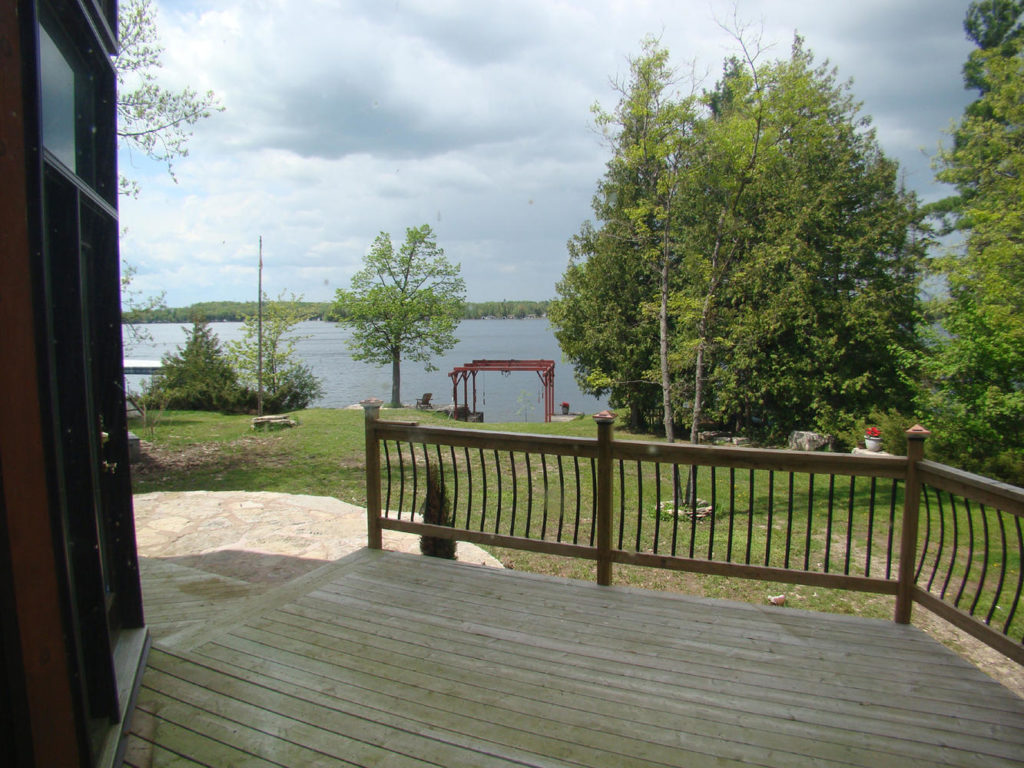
<point x="636" y="450"/>
<point x="1009" y="498"/>
<point x="762" y="458"/>
<point x="479" y="438"/>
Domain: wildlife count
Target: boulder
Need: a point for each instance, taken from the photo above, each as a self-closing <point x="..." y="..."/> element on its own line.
<point x="808" y="441"/>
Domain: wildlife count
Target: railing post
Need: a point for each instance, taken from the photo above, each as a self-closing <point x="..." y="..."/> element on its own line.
<point x="604" y="420"/>
<point x="916" y="436"/>
<point x="371" y="410"/>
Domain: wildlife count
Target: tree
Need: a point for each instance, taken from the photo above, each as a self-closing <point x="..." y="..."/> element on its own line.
<point x="198" y="376"/>
<point x="403" y="304"/>
<point x="761" y="236"/>
<point x="973" y="388"/>
<point x="151" y="118"/>
<point x="602" y="326"/>
<point x="822" y="301"/>
<point x="288" y="383"/>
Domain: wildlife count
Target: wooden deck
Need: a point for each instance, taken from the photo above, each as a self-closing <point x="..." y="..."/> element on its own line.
<point x="391" y="659"/>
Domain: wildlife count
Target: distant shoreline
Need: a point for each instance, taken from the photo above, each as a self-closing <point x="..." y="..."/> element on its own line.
<point x="238" y="311"/>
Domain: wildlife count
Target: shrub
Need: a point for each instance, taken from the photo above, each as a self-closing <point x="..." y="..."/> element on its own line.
<point x="437" y="511"/>
<point x="197" y="377"/>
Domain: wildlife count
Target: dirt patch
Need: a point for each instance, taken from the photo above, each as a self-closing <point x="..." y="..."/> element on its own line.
<point x="159" y="462"/>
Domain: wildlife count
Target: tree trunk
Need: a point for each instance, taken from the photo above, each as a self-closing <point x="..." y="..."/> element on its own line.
<point x="396" y="378"/>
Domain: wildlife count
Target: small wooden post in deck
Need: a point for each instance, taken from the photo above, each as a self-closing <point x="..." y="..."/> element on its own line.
<point x="916" y="436"/>
<point x="371" y="409"/>
<point x="604" y="420"/>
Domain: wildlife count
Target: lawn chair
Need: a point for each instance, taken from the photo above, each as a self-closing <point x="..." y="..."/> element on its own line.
<point x="423" y="403"/>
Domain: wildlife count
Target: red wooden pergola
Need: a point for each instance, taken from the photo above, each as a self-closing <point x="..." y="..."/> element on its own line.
<point x="463" y="373"/>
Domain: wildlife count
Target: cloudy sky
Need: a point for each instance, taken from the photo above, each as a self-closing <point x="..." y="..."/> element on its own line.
<point x="345" y="119"/>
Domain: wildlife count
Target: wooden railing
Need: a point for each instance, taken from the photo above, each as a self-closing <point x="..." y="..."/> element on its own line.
<point x="893" y="525"/>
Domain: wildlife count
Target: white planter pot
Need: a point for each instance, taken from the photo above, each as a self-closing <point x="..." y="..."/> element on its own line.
<point x="873" y="443"/>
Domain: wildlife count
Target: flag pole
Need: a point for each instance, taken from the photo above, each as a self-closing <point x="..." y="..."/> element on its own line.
<point x="259" y="335"/>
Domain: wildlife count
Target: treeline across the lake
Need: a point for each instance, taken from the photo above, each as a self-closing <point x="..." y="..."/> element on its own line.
<point x="238" y="311"/>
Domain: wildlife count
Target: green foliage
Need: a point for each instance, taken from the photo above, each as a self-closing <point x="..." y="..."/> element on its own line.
<point x="215" y="311"/>
<point x="197" y="377"/>
<point x="972" y="393"/>
<point x="151" y="118"/>
<point x="403" y="304"/>
<point x="288" y="383"/>
<point x="760" y="234"/>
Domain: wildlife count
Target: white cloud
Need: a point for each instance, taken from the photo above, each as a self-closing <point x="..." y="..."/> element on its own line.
<point x="345" y="119"/>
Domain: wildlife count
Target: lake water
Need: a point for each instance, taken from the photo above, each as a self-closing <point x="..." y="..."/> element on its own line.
<point x="515" y="397"/>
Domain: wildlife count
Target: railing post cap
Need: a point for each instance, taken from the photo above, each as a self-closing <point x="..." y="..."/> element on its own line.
<point x="605" y="417"/>
<point x="917" y="432"/>
<point x="371" y="402"/>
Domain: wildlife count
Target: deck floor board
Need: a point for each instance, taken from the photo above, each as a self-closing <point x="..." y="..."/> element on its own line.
<point x="399" y="660"/>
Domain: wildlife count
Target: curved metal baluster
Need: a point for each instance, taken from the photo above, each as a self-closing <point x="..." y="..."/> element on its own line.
<point x="497" y="472"/>
<point x="828" y="521"/>
<point x="515" y="495"/>
<point x="622" y="501"/>
<point x="691" y="504"/>
<point x="657" y="504"/>
<point x="676" y="510"/>
<point x="732" y="512"/>
<point x="927" y="534"/>
<point x="401" y="478"/>
<point x="849" y="528"/>
<point x="483" y="483"/>
<point x="714" y="513"/>
<point x="529" y="494"/>
<point x="984" y="561"/>
<point x="892" y="527"/>
<point x="593" y="499"/>
<point x="871" y="526"/>
<point x="561" y="497"/>
<point x="970" y="551"/>
<point x="415" y="477"/>
<point x="1002" y="567"/>
<point x="789" y="519"/>
<point x="1020" y="576"/>
<point x="469" y="486"/>
<point x="544" y="520"/>
<point x="455" y="483"/>
<point x="771" y="515"/>
<point x="750" y="516"/>
<point x="387" y="463"/>
<point x="810" y="515"/>
<point x="956" y="542"/>
<point x="576" y="525"/>
<point x="942" y="538"/>
<point x="639" y="503"/>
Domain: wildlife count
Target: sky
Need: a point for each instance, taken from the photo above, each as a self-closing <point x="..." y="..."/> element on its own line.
<point x="346" y="119"/>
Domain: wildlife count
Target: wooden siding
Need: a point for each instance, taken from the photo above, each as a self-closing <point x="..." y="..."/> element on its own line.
<point x="392" y="659"/>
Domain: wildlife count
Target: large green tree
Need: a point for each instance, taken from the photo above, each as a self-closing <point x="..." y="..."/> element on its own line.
<point x="765" y="243"/>
<point x="823" y="290"/>
<point x="403" y="304"/>
<point x="973" y="391"/>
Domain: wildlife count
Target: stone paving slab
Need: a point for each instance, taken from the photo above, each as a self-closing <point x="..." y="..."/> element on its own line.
<point x="221" y="531"/>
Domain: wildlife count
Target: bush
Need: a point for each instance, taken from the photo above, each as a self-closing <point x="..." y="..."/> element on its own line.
<point x="437" y="511"/>
<point x="198" y="377"/>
